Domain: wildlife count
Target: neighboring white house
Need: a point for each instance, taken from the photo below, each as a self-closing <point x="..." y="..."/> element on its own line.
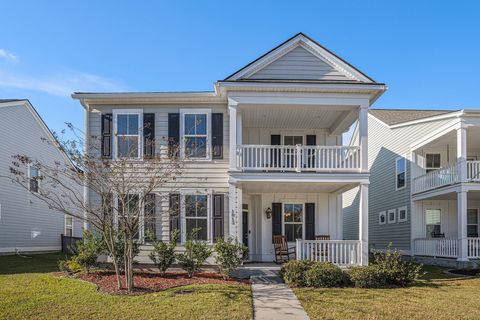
<point x="425" y="184"/>
<point x="26" y="223"/>
<point x="273" y="163"/>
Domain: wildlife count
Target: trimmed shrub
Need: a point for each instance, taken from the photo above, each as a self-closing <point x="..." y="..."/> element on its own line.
<point x="195" y="255"/>
<point x="293" y="272"/>
<point x="229" y="256"/>
<point x="397" y="272"/>
<point x="367" y="277"/>
<point x="163" y="254"/>
<point x="325" y="275"/>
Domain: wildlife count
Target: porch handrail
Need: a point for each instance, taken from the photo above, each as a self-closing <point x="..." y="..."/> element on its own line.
<point x="436" y="247"/>
<point x="473" y="245"/>
<point x="339" y="252"/>
<point x="437" y="178"/>
<point x="473" y="171"/>
<point x="298" y="158"/>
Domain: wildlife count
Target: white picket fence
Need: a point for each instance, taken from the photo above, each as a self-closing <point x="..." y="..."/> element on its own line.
<point x="340" y="252"/>
<point x="298" y="158"/>
<point x="447" y="248"/>
<point x="473" y="245"/>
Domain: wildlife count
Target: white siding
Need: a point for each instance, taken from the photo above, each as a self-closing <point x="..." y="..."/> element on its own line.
<point x="26" y="222"/>
<point x="299" y="64"/>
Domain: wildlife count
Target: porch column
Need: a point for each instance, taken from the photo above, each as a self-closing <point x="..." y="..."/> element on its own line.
<point x="363" y="223"/>
<point x="232" y="110"/>
<point x="462" y="152"/>
<point x="462" y="225"/>
<point x="87" y="151"/>
<point x="363" y="137"/>
<point x="235" y="210"/>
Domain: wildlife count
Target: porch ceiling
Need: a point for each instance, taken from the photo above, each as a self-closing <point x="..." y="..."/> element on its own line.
<point x="294" y="187"/>
<point x="471" y="196"/>
<point x="450" y="140"/>
<point x="301" y="117"/>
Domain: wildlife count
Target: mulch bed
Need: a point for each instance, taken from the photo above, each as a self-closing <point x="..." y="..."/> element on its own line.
<point x="465" y="272"/>
<point x="146" y="281"/>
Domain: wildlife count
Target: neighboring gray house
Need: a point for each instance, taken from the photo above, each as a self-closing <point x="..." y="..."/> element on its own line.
<point x="272" y="160"/>
<point x="424" y="184"/>
<point x="26" y="223"/>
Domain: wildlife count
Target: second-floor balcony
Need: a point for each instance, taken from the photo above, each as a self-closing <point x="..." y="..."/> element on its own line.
<point x="298" y="158"/>
<point x="448" y="175"/>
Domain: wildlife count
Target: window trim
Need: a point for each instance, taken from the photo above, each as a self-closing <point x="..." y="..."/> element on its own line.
<point x="426" y="224"/>
<point x="183" y="217"/>
<point x="303" y="218"/>
<point x="478" y="220"/>
<point x="115" y="114"/>
<point x="65" y="225"/>
<point x="30" y="178"/>
<point x="406" y="214"/>
<point x="396" y="172"/>
<point x="427" y="169"/>
<point x="380" y="214"/>
<point x="394" y="211"/>
<point x="208" y="113"/>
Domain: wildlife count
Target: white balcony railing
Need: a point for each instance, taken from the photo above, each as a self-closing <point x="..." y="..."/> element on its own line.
<point x="339" y="252"/>
<point x="473" y="171"/>
<point x="445" y="248"/>
<point x="298" y="158"/>
<point x="446" y="176"/>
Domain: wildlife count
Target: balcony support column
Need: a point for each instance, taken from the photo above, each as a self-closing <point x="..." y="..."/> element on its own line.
<point x="363" y="136"/>
<point x="363" y="223"/>
<point x="462" y="152"/>
<point x="232" y="111"/>
<point x="462" y="225"/>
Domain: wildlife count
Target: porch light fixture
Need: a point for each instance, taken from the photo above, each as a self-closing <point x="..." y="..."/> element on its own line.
<point x="268" y="212"/>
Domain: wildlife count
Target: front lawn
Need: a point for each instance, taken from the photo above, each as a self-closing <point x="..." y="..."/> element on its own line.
<point x="437" y="296"/>
<point x="29" y="291"/>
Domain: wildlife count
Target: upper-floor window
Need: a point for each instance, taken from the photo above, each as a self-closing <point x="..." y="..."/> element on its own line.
<point x="128" y="133"/>
<point x="432" y="161"/>
<point x="195" y="133"/>
<point x="33" y="178"/>
<point x="401" y="167"/>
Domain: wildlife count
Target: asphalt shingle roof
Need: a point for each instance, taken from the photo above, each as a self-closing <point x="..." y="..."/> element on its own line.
<point x="397" y="116"/>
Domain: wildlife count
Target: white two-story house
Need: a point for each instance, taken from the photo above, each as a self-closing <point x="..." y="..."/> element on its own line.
<point x="425" y="184"/>
<point x="274" y="162"/>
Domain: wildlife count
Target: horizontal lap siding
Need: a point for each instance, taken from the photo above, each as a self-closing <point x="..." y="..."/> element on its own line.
<point x="299" y="64"/>
<point x="25" y="220"/>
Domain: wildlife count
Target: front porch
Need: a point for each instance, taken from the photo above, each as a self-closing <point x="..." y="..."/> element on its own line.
<point x="302" y="212"/>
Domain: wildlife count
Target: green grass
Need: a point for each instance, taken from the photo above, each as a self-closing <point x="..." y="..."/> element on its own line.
<point x="436" y="297"/>
<point x="29" y="291"/>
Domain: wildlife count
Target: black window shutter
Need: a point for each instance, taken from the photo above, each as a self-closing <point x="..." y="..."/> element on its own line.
<point x="309" y="221"/>
<point x="218" y="211"/>
<point x="149" y="217"/>
<point x="275" y="140"/>
<point x="311" y="141"/>
<point x="174" y="206"/>
<point x="173" y="134"/>
<point x="276" y="219"/>
<point x="149" y="135"/>
<point x="217" y="135"/>
<point x="107" y="135"/>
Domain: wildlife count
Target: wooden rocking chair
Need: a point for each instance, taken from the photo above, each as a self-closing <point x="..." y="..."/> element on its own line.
<point x="323" y="250"/>
<point x="282" y="250"/>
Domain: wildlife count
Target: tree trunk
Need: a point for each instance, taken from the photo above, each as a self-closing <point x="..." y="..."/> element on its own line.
<point x="129" y="262"/>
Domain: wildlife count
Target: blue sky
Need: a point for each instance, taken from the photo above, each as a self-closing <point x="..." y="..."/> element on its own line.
<point x="426" y="52"/>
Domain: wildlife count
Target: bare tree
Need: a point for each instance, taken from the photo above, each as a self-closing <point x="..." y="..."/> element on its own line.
<point x="117" y="192"/>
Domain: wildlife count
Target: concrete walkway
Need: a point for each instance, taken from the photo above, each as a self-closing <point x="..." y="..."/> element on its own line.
<point x="273" y="299"/>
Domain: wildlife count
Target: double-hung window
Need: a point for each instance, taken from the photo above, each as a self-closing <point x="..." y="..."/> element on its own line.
<point x="129" y="210"/>
<point x="128" y="133"/>
<point x="293" y="221"/>
<point x="195" y="131"/>
<point x="433" y="223"/>
<point x="472" y="223"/>
<point x="33" y="178"/>
<point x="432" y="161"/>
<point x="196" y="215"/>
<point x="401" y="168"/>
<point x="68" y="226"/>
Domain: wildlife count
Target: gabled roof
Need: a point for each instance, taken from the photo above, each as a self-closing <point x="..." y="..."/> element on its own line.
<point x="300" y="59"/>
<point x="26" y="103"/>
<point x="397" y="116"/>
